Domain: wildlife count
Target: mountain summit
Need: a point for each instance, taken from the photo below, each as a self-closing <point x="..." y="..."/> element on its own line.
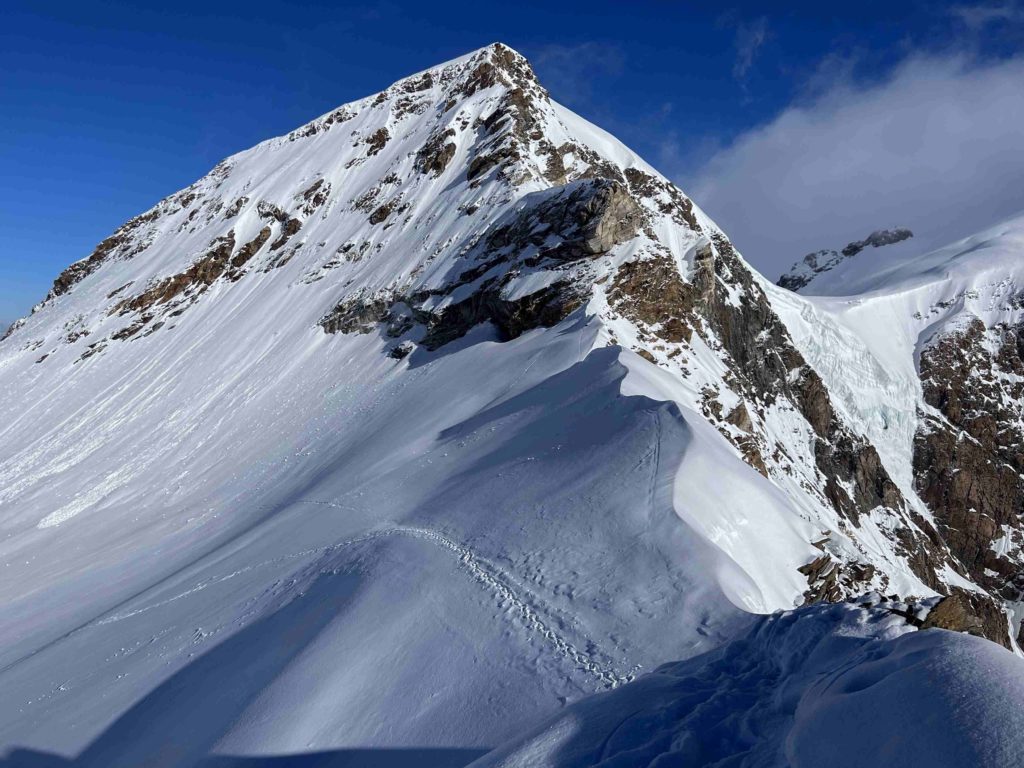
<point x="817" y="263"/>
<point x="440" y="412"/>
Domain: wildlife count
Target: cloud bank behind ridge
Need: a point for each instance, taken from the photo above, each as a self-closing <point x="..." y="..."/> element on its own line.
<point x="937" y="146"/>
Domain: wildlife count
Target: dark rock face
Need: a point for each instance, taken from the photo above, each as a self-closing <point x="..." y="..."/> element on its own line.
<point x="968" y="463"/>
<point x="199" y="276"/>
<point x="511" y="318"/>
<point x="813" y="264"/>
<point x="964" y="611"/>
<point x="337" y="117"/>
<point x="653" y="293"/>
<point x="829" y="581"/>
<point x="376" y="141"/>
<point x="877" y="239"/>
<point x="357" y="314"/>
<point x="553" y="230"/>
<point x="764" y="364"/>
<point x="247" y="251"/>
<point x="665" y="195"/>
<point x="289" y="228"/>
<point x="314" y="196"/>
<point x="177" y="292"/>
<point x="502" y="65"/>
<point x="236" y="207"/>
<point x="505" y="135"/>
<point x="587" y="218"/>
<point x="768" y="367"/>
<point x="958" y="611"/>
<point x="434" y="156"/>
<point x="172" y="295"/>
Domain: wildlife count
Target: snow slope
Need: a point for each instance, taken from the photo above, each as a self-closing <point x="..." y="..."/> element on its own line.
<point x="363" y="446"/>
<point x="894" y="300"/>
<point x="827" y="685"/>
<point x="435" y="550"/>
<point x="895" y="306"/>
<point x="988" y="256"/>
<point x="816" y="267"/>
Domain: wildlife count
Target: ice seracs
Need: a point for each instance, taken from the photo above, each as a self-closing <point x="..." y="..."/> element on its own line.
<point x="943" y="327"/>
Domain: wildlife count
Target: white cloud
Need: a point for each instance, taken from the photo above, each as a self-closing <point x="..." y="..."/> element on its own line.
<point x="938" y="146"/>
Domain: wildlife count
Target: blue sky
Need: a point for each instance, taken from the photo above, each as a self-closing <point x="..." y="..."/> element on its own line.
<point x="796" y="127"/>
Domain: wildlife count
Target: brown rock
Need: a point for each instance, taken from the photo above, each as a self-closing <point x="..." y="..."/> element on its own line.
<point x="376" y="141"/>
<point x="968" y="612"/>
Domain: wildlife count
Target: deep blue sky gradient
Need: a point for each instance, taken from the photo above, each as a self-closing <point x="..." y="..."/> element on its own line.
<point x="106" y="107"/>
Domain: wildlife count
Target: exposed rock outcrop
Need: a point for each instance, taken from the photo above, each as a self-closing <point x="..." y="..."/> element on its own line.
<point x="969" y="612"/>
<point x="121" y="244"/>
<point x="969" y="456"/>
<point x="550" y="231"/>
<point x="434" y="156"/>
<point x="724" y="305"/>
<point x="493" y="213"/>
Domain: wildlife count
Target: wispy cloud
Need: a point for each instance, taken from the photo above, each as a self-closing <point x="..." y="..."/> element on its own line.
<point x="978" y="17"/>
<point x="750" y="36"/>
<point x="935" y="146"/>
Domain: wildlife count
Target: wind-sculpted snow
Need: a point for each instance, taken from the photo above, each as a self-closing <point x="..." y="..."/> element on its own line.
<point x="488" y="552"/>
<point x="829" y="685"/>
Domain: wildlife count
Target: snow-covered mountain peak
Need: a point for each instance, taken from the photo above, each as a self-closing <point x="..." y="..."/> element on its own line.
<point x="464" y="200"/>
<point x="815" y="264"/>
<point x="445" y="387"/>
<point x="387" y="194"/>
<point x="987" y="258"/>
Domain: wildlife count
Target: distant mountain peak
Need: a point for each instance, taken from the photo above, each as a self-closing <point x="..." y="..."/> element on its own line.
<point x="819" y="262"/>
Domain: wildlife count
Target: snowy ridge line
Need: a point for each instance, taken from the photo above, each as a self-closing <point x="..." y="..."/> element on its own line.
<point x="494" y="579"/>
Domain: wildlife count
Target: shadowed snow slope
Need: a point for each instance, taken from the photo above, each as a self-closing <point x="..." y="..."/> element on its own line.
<point x="395" y="435"/>
<point x="827" y="685"/>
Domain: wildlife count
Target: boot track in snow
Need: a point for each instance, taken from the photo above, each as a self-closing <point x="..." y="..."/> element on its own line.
<point x="492" y="578"/>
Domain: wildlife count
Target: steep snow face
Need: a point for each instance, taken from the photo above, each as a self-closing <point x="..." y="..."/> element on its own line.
<point x="829" y="685"/>
<point x="459" y="197"/>
<point x="408" y="428"/>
